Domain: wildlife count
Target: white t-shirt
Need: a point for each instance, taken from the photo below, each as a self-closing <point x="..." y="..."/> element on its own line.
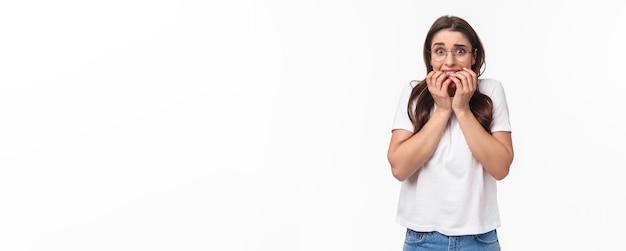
<point x="452" y="193"/>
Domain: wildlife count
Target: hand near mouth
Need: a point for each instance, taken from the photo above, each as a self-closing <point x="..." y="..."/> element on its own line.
<point x="452" y="89"/>
<point x="465" y="84"/>
<point x="439" y="85"/>
<point x="451" y="86"/>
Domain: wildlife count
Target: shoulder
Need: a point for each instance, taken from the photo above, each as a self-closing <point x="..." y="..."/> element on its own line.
<point x="407" y="87"/>
<point x="410" y="85"/>
<point x="489" y="83"/>
<point x="490" y="86"/>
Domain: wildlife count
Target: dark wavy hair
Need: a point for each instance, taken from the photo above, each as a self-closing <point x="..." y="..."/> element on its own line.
<point x="421" y="101"/>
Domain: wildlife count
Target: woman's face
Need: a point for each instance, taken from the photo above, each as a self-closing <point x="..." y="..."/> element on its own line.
<point x="451" y="51"/>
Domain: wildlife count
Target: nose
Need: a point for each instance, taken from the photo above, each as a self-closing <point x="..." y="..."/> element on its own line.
<point x="449" y="59"/>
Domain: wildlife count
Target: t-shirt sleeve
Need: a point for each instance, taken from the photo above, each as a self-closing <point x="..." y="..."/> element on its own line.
<point x="401" y="119"/>
<point x="501" y="120"/>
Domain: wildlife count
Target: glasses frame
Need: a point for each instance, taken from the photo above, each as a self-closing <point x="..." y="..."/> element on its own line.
<point x="446" y="55"/>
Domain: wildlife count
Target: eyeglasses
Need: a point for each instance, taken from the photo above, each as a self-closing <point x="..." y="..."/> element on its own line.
<point x="460" y="54"/>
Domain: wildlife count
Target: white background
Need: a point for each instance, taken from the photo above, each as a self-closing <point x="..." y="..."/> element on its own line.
<point x="263" y="125"/>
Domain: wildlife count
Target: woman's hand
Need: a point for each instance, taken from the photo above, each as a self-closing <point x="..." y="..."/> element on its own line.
<point x="438" y="83"/>
<point x="466" y="84"/>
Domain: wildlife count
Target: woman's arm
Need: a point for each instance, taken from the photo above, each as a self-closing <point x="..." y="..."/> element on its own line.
<point x="408" y="152"/>
<point x="494" y="151"/>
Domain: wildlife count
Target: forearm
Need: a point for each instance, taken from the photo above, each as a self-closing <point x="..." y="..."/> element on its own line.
<point x="494" y="153"/>
<point x="408" y="152"/>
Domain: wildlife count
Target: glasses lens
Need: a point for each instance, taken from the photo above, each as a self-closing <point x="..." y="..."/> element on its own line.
<point x="438" y="56"/>
<point x="459" y="55"/>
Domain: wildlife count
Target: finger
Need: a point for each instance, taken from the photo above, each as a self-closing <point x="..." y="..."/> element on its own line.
<point x="471" y="77"/>
<point x="441" y="77"/>
<point x="456" y="79"/>
<point x="471" y="72"/>
<point x="468" y="83"/>
<point x="433" y="85"/>
<point x="446" y="83"/>
<point x="462" y="84"/>
<point x="430" y="81"/>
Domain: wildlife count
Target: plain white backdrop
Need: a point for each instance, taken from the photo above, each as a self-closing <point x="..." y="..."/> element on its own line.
<point x="263" y="125"/>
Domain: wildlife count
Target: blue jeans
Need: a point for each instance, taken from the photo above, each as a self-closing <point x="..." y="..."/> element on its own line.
<point x="422" y="241"/>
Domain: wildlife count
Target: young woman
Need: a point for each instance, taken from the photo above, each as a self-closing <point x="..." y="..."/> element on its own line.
<point x="450" y="144"/>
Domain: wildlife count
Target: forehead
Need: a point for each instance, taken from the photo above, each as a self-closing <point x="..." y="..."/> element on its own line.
<point x="450" y="38"/>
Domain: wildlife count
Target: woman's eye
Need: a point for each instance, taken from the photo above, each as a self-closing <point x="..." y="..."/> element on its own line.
<point x="460" y="51"/>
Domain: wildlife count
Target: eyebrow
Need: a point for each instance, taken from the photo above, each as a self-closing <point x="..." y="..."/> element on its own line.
<point x="455" y="45"/>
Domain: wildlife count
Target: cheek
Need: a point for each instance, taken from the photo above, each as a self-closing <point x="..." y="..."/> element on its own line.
<point x="436" y="65"/>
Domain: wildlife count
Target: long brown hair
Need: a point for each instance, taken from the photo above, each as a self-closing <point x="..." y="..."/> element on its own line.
<point x="421" y="101"/>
